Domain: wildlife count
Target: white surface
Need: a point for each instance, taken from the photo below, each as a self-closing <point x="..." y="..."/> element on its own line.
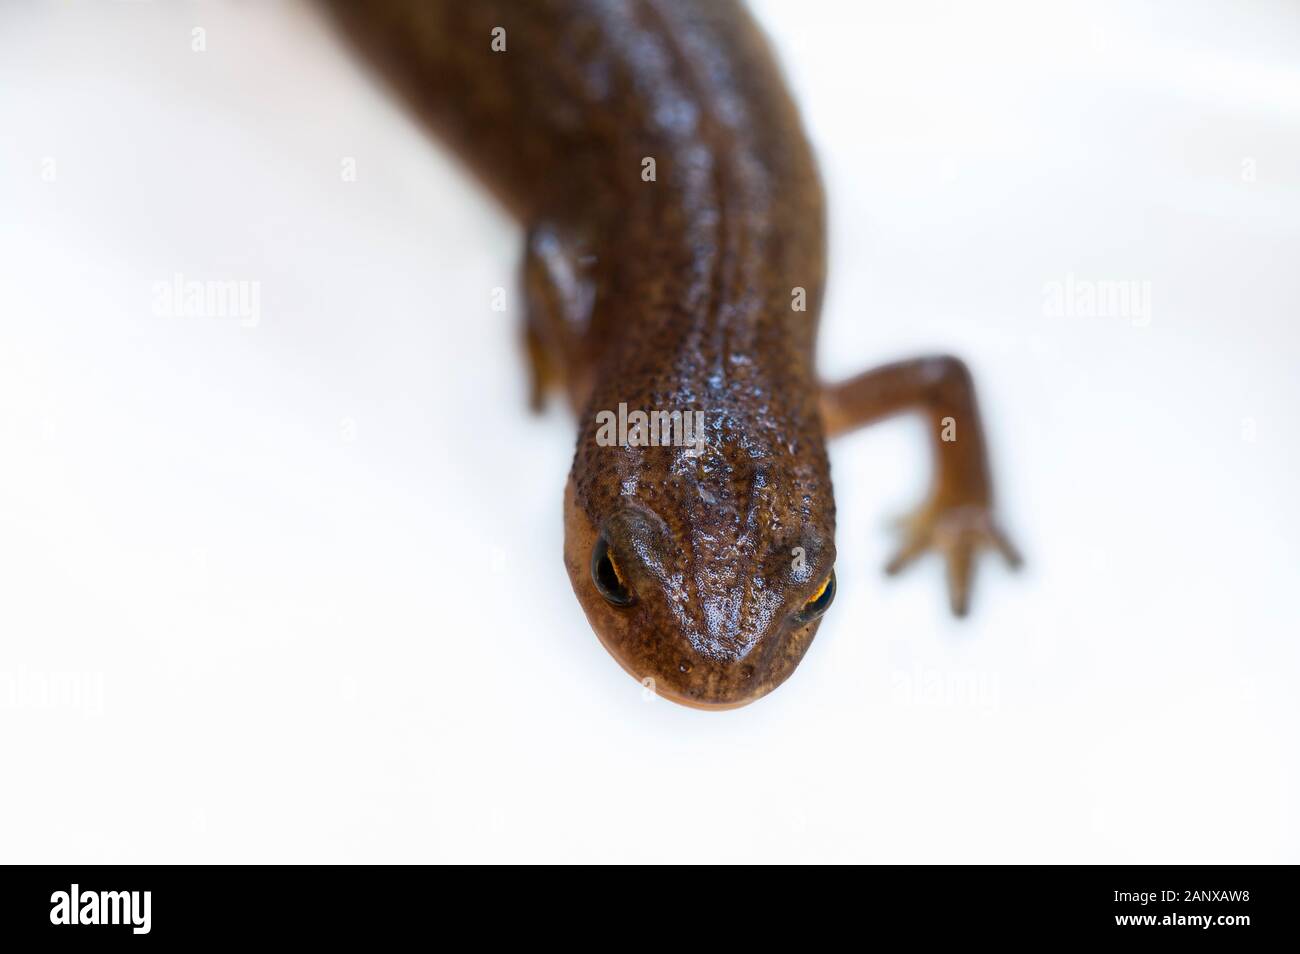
<point x="295" y="590"/>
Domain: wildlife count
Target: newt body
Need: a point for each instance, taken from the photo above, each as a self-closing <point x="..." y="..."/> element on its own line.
<point x="674" y="264"/>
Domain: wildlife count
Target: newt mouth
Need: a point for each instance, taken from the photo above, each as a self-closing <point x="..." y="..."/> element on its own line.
<point x="664" y="690"/>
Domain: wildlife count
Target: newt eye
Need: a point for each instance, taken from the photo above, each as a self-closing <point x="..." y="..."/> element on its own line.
<point x="607" y="577"/>
<point x="820" y="601"/>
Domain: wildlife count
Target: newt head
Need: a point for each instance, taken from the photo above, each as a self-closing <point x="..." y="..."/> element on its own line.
<point x="706" y="573"/>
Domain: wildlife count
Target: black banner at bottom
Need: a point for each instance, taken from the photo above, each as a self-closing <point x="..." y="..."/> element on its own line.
<point x="140" y="905"/>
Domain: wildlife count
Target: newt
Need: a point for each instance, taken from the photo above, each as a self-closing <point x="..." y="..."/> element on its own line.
<point x="674" y="264"/>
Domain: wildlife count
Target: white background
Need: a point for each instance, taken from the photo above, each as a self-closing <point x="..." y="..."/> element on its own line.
<point x="294" y="592"/>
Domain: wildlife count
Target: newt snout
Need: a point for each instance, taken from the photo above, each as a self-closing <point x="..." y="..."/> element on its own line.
<point x="704" y="617"/>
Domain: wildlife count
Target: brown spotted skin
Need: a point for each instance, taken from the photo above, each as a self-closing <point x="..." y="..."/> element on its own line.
<point x="676" y="294"/>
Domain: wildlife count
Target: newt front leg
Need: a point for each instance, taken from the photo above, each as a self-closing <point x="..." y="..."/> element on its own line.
<point x="957" y="517"/>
